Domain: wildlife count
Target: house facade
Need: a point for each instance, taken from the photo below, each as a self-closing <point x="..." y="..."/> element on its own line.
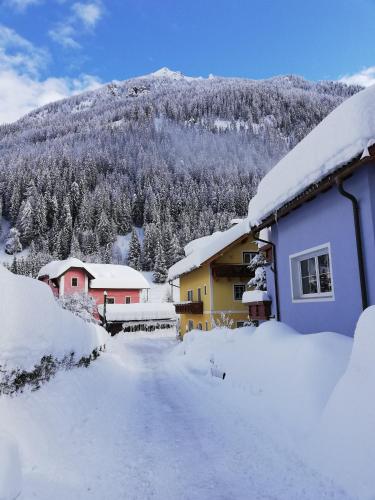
<point x="321" y="230"/>
<point x="213" y="277"/>
<point x="122" y="284"/>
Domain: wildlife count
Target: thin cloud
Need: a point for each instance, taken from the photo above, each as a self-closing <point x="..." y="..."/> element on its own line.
<point x="84" y="17"/>
<point x="21" y="5"/>
<point x="22" y="88"/>
<point x="365" y="77"/>
<point x="18" y="53"/>
<point x="88" y="13"/>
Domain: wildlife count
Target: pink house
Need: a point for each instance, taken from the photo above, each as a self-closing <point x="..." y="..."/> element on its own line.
<point x="123" y="284"/>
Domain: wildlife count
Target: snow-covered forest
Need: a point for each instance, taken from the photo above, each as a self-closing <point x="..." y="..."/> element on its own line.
<point x="177" y="156"/>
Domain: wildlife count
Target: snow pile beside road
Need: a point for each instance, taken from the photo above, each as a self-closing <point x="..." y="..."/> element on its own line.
<point x="10" y="469"/>
<point x="344" y="444"/>
<point x="287" y="378"/>
<point x="33" y="325"/>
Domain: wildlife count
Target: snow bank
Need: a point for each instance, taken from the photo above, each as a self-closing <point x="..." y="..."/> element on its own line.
<point x="341" y="136"/>
<point x="200" y="250"/>
<point x="10" y="468"/>
<point x="33" y="325"/>
<point x="287" y="377"/>
<point x="344" y="444"/>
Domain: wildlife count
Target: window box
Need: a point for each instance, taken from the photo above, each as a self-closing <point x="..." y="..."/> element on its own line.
<point x="311" y="275"/>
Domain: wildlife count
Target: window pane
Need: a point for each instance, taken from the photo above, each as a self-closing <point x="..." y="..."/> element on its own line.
<point x="308" y="267"/>
<point x="308" y="275"/>
<point x="324" y="273"/>
<point x="309" y="285"/>
<point x="238" y="291"/>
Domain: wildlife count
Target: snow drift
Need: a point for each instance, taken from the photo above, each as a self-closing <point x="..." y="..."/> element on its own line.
<point x="10" y="468"/>
<point x="344" y="444"/>
<point x="281" y="376"/>
<point x="33" y="325"/>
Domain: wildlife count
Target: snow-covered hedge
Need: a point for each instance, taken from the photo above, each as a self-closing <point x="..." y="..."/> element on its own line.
<point x="36" y="332"/>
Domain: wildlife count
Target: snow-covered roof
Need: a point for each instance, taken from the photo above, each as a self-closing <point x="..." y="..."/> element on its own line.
<point x="343" y="135"/>
<point x="141" y="311"/>
<point x="117" y="276"/>
<point x="202" y="249"/>
<point x="56" y="268"/>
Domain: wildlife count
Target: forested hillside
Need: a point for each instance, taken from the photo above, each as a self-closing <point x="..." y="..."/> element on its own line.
<point x="179" y="156"/>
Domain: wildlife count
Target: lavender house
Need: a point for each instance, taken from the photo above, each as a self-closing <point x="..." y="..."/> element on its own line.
<point x="316" y="208"/>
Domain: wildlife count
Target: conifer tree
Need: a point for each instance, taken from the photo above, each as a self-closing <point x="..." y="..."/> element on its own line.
<point x="160" y="270"/>
<point x="135" y="252"/>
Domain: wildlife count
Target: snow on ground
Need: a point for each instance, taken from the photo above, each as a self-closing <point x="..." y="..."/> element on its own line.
<point x="33" y="325"/>
<point x="136" y="425"/>
<point x="347" y="427"/>
<point x="121" y="246"/>
<point x="285" y="378"/>
<point x="161" y="292"/>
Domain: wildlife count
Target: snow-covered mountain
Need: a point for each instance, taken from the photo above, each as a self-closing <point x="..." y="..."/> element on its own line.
<point x="178" y="155"/>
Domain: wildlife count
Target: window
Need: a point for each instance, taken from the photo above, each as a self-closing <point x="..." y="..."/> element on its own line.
<point x="200" y="326"/>
<point x="247" y="257"/>
<point x="110" y="300"/>
<point x="190" y="295"/>
<point x="207" y="326"/>
<point x="205" y="289"/>
<point x="190" y="325"/>
<point x="128" y="300"/>
<point x="74" y="282"/>
<point x="240" y="324"/>
<point x="199" y="295"/>
<point x="238" y="291"/>
<point x="311" y="274"/>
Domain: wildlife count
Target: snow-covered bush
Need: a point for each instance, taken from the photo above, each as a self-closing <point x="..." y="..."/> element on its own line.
<point x="36" y="332"/>
<point x="223" y="321"/>
<point x="80" y="304"/>
<point x="257" y="264"/>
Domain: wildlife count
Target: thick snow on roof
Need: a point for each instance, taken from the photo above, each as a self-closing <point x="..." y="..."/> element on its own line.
<point x="341" y="136"/>
<point x="33" y="325"/>
<point x="255" y="296"/>
<point x="117" y="276"/>
<point x="200" y="250"/>
<point x="56" y="268"/>
<point x="139" y="311"/>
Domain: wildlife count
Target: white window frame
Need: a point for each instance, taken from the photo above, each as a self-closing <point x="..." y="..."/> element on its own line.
<point x="234" y="295"/>
<point x="71" y="282"/>
<point x="296" y="279"/>
<point x="243" y="256"/>
<point x="192" y="295"/>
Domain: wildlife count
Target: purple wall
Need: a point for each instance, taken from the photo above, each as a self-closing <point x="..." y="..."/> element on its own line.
<point x="328" y="218"/>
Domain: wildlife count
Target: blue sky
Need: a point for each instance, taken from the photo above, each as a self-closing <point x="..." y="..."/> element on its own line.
<point x="54" y="48"/>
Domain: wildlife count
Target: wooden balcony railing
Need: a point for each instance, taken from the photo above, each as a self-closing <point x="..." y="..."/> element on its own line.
<point x="239" y="271"/>
<point x="189" y="307"/>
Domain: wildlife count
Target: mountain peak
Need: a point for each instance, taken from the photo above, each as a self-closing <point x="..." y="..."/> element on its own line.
<point x="168" y="73"/>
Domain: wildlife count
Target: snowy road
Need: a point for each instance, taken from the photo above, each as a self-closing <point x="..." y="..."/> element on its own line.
<point x="132" y="426"/>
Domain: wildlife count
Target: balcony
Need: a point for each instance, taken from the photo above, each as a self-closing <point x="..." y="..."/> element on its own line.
<point x="238" y="271"/>
<point x="189" y="307"/>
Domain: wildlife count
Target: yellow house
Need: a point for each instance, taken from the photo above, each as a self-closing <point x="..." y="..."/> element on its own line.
<point x="213" y="277"/>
